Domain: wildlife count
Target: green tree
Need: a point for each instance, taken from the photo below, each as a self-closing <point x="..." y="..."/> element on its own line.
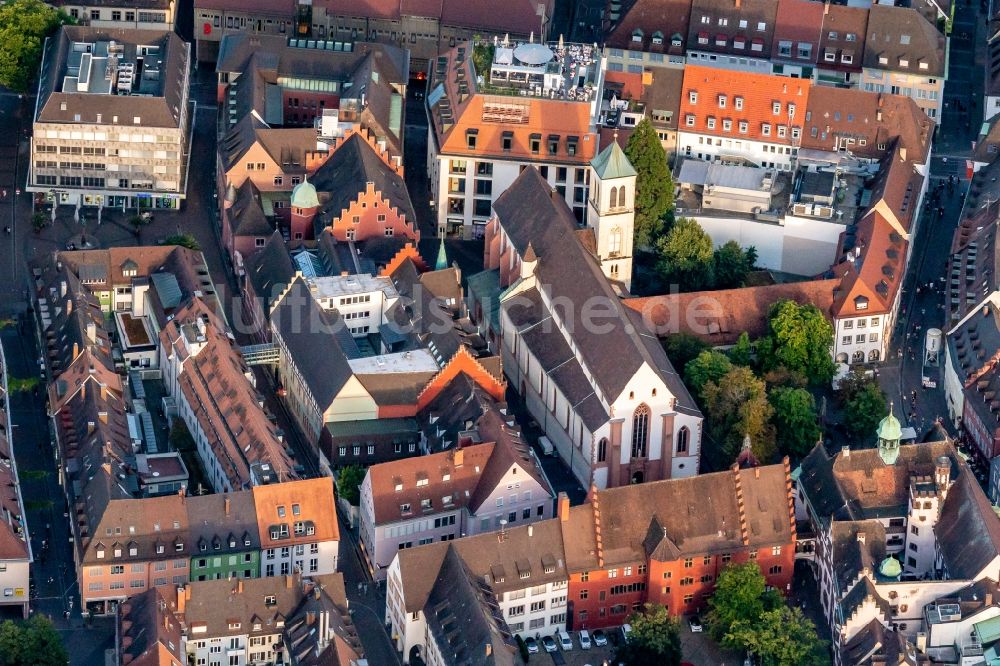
<point x="24" y="25"/>
<point x="740" y="593"/>
<point x="864" y="408"/>
<point x="184" y="240"/>
<point x="34" y="642"/>
<point x="682" y="348"/>
<point x="731" y="264"/>
<point x="684" y="255"/>
<point x="655" y="639"/>
<point x="782" y="636"/>
<point x="800" y="339"/>
<point x="794" y="420"/>
<point x="654" y="187"/>
<point x="348" y="481"/>
<point x="708" y="366"/>
<point x="735" y="406"/>
<point x="22" y="384"/>
<point x="741" y="354"/>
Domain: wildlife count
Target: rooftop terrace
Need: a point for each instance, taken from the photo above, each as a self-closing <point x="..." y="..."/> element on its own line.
<point x="114" y="68"/>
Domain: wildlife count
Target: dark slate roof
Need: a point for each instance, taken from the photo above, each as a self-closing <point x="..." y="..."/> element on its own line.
<point x="968" y="531"/>
<point x="529" y="211"/>
<point x="464" y="618"/>
<point x="458" y="405"/>
<point x="850" y="556"/>
<point x="270" y="270"/>
<point x="315" y="342"/>
<point x="863" y="590"/>
<point x="246" y="217"/>
<point x="538" y="332"/>
<point x="347" y="173"/>
<point x="510" y="449"/>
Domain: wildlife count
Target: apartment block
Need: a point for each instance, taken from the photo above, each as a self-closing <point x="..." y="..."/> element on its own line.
<point x="537" y="105"/>
<point x="111" y="124"/>
<point x="490" y="483"/>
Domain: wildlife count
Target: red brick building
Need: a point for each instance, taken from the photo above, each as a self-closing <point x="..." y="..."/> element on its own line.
<point x="667" y="542"/>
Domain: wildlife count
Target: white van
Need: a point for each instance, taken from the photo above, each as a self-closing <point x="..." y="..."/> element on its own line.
<point x="546" y="445"/>
<point x="626" y="631"/>
<point x="565" y="642"/>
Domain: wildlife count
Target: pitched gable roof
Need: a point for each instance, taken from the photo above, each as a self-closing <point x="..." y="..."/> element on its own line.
<point x="968" y="531"/>
<point x="901" y="39"/>
<point x="529" y="212"/>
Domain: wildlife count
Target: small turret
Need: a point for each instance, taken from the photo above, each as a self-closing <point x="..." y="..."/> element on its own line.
<point x="889" y="433"/>
<point x="442" y="258"/>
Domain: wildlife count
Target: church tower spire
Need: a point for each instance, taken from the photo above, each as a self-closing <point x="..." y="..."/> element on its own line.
<point x="611" y="211"/>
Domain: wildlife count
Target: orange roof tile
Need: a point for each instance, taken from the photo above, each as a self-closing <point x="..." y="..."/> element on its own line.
<point x="873" y="271"/>
<point x="712" y="96"/>
<point x="315" y="501"/>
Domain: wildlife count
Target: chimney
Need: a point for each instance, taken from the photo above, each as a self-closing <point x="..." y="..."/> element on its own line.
<point x="563" y="507"/>
<point x="458" y="457"/>
<point x="76" y="350"/>
<point x="861" y="537"/>
<point x="826" y="7"/>
<point x="91" y="330"/>
<point x="288" y="581"/>
<point x="183" y="595"/>
<point x="311" y="618"/>
<point x="846" y="452"/>
<point x="104" y="391"/>
<point x="988" y="599"/>
<point x="62" y="288"/>
<point x="738" y="3"/>
<point x="531" y="531"/>
<point x="225" y="504"/>
<point x="239" y="586"/>
<point x="756" y="472"/>
<point x="69" y="306"/>
<point x="489" y="646"/>
<point x="902" y="154"/>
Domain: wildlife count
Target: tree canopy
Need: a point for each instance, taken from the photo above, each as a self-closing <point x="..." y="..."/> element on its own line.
<point x="736" y="406"/>
<point x="795" y="423"/>
<point x="682" y="348"/>
<point x="800" y="339"/>
<point x="744" y="615"/>
<point x="741" y="353"/>
<point x="864" y="406"/>
<point x="685" y="255"/>
<point x="184" y="240"/>
<point x="654" y="187"/>
<point x="740" y="592"/>
<point x="24" y="25"/>
<point x="730" y="265"/>
<point x="655" y="639"/>
<point x="34" y="642"/>
<point x="348" y="481"/>
<point x="781" y="637"/>
<point x="708" y="366"/>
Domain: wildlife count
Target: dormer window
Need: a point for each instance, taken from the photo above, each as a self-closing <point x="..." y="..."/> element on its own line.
<point x="710" y="122"/>
<point x="923" y="65"/>
<point x="744" y="127"/>
<point x="118" y="552"/>
<point x="425" y="505"/>
<point x="883" y="60"/>
<point x="727" y="125"/>
<point x="903" y="62"/>
<point x="782" y="130"/>
<point x="689" y="120"/>
<point x="281" y="512"/>
<point x="676" y="40"/>
<point x="637" y="36"/>
<point x="722" y="101"/>
<point x="765" y="129"/>
<point x="100" y="553"/>
<point x="404" y="508"/>
<point x="776" y="108"/>
<point x="861" y="303"/>
<point x="470" y="138"/>
<point x="296" y="509"/>
<point x="657" y="38"/>
<point x="133" y="551"/>
<point x="693" y="96"/>
<point x="791" y="110"/>
<point x="738" y="103"/>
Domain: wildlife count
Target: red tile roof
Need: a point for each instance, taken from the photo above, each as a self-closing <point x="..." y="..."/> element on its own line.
<point x="316" y="504"/>
<point x="873" y="271"/>
<point x="758" y="95"/>
<point x="800" y="22"/>
<point x="719" y="317"/>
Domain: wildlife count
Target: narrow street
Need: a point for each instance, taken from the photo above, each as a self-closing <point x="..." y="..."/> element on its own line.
<point x="922" y="307"/>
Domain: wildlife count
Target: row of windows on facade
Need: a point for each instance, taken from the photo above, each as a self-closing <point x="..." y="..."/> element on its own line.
<point x="640" y="437"/>
<point x="370" y="448"/>
<point x="534" y="142"/>
<point x="581" y="175"/>
<point x="641" y="569"/>
<point x="858" y="339"/>
<point x="356" y="31"/>
<point x="116" y="15"/>
<point x="538" y="623"/>
<point x="118" y="184"/>
<point x="711" y="122"/>
<point x="535" y="607"/>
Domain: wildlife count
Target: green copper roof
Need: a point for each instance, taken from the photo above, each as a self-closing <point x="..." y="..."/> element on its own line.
<point x="612" y="163"/>
<point x="304" y="195"/>
<point x="889" y="428"/>
<point x="890" y="568"/>
<point x="442" y="259"/>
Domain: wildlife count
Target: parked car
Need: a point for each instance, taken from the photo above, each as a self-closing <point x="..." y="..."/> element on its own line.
<point x="549" y="644"/>
<point x="600" y="638"/>
<point x="584" y="639"/>
<point x="531" y="644"/>
<point x="565" y="642"/>
<point x="695" y="623"/>
<point x="626" y="629"/>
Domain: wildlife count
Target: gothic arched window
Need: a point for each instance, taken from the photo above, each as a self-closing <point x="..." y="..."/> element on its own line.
<point x="640" y="431"/>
